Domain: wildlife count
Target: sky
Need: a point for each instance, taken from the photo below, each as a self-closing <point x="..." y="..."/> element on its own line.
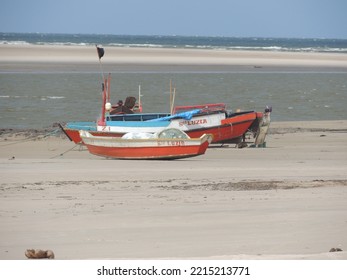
<point x="230" y="18"/>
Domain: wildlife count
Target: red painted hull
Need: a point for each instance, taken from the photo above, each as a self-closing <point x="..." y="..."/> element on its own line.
<point x="158" y="148"/>
<point x="149" y="153"/>
<point x="229" y="131"/>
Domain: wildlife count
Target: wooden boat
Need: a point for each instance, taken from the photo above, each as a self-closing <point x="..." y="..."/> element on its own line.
<point x="167" y="144"/>
<point x="226" y="127"/>
<point x="196" y="120"/>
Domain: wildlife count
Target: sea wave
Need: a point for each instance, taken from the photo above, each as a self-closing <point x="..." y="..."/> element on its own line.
<point x="55" y="97"/>
<point x="4" y="42"/>
<point x="32" y="97"/>
<point x="287" y="49"/>
<point x="62" y="44"/>
<point x="135" y="45"/>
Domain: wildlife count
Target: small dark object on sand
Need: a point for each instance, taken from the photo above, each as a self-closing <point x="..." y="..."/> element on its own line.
<point x="39" y="254"/>
<point x="335" y="250"/>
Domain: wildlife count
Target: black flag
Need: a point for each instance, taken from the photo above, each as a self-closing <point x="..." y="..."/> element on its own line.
<point x="101" y="52"/>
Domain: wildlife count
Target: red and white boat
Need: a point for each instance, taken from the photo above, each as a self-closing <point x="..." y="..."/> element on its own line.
<point x="226" y="127"/>
<point x="167" y="144"/>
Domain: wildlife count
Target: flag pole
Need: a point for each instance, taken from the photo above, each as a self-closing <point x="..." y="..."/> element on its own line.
<point x="105" y="86"/>
<point x="101" y="53"/>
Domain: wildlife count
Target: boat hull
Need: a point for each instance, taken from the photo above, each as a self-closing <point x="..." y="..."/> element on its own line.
<point x="224" y="130"/>
<point x="231" y="130"/>
<point x="118" y="148"/>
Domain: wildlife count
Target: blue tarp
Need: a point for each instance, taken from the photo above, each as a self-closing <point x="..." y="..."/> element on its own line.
<point x="89" y="126"/>
<point x="184" y="115"/>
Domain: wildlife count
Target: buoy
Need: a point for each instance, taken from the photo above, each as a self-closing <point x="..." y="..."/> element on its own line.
<point x="108" y="106"/>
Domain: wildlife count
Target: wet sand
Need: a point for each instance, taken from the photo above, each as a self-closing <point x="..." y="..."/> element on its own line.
<point x="285" y="201"/>
<point x="37" y="58"/>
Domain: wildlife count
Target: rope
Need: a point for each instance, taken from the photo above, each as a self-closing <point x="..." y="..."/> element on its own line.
<point x="63" y="153"/>
<point x="31" y="138"/>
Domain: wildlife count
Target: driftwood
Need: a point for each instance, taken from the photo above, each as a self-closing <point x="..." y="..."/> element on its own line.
<point x="39" y="254"/>
<point x="335" y="250"/>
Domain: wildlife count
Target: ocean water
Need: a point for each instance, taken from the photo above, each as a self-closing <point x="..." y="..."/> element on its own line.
<point x="37" y="100"/>
<point x="229" y="43"/>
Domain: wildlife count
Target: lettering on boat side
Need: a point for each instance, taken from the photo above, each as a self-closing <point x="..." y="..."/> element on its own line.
<point x="194" y="122"/>
<point x="171" y="143"/>
<point x="105" y="128"/>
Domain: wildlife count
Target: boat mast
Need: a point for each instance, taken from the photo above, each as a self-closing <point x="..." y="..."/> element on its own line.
<point x="173" y="101"/>
<point x="140" y="104"/>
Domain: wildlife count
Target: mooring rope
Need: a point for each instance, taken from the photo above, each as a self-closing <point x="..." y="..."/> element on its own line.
<point x="39" y="137"/>
<point x="31" y="138"/>
<point x="63" y="153"/>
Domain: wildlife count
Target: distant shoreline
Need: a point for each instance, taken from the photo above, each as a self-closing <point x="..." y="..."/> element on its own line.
<point x="51" y="58"/>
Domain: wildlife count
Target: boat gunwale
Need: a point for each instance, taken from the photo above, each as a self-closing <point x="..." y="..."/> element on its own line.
<point x="201" y="139"/>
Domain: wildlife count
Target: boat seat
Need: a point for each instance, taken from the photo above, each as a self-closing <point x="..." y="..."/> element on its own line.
<point x="122" y="110"/>
<point x="130" y="102"/>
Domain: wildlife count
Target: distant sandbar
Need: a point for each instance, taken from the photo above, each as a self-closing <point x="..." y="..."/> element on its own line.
<point x="28" y="58"/>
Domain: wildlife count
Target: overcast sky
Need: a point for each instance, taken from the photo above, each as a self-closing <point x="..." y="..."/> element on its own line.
<point x="240" y="18"/>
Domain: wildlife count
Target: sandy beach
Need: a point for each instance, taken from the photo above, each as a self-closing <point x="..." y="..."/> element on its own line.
<point x="50" y="58"/>
<point x="286" y="201"/>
